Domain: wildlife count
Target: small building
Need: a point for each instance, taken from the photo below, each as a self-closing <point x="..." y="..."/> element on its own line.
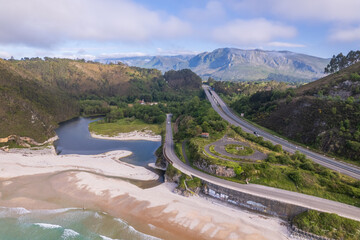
<point x="205" y="135"/>
<point x="142" y="102"/>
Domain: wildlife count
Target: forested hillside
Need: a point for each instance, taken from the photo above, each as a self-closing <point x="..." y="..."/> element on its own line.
<point x="37" y="94"/>
<point x="324" y="114"/>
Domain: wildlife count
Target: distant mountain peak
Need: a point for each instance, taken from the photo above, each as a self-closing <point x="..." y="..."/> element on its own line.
<point x="233" y="64"/>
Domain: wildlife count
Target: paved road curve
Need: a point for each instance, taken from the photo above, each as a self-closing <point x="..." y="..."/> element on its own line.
<point x="259" y="190"/>
<point x="220" y="107"/>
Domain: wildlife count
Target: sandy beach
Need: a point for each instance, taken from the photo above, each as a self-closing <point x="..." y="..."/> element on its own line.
<point x="20" y="162"/>
<point x="135" y="135"/>
<point x="42" y="180"/>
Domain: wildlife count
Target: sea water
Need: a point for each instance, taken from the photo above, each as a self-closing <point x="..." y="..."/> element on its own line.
<point x="64" y="224"/>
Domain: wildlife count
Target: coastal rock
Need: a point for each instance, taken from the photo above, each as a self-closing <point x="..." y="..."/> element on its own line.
<point x="175" y="178"/>
<point x="218" y="170"/>
<point x="161" y="162"/>
<point x="26" y="141"/>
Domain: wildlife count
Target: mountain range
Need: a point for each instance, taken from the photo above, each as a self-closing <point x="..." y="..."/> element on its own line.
<point x="231" y="64"/>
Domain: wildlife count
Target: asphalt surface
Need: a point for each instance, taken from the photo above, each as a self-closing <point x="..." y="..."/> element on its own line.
<point x="295" y="198"/>
<point x="221" y="108"/>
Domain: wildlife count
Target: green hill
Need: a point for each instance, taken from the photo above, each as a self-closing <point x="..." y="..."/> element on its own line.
<point x="37" y="94"/>
<point x="324" y="114"/>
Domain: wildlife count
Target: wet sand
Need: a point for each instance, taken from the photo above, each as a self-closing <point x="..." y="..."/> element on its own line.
<point x="155" y="211"/>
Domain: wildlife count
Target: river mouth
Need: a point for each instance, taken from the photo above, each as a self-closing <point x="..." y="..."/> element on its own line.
<point x="75" y="138"/>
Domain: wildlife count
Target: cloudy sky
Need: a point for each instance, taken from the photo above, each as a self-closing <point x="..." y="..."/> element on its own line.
<point x="112" y="28"/>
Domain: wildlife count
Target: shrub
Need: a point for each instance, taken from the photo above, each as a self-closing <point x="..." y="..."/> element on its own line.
<point x="271" y="158"/>
<point x="277" y="148"/>
<point x="355" y="76"/>
<point x="296" y="177"/>
<point x="238" y="170"/>
<point x="307" y="166"/>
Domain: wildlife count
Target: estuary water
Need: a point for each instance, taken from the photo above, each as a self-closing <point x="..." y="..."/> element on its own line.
<point x="75" y="223"/>
<point x="75" y="138"/>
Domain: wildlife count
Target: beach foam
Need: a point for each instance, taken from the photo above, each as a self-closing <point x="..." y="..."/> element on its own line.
<point x="47" y="225"/>
<point x="69" y="233"/>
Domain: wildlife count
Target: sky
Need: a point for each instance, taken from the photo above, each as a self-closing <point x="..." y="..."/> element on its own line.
<point x="93" y="29"/>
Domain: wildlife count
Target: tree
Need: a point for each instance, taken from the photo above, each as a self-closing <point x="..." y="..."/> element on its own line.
<point x="340" y="61"/>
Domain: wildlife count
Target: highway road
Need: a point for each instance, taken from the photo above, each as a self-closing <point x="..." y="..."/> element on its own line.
<point x="222" y="109"/>
<point x="295" y="198"/>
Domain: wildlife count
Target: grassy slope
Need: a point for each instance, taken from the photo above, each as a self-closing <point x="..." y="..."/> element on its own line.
<point x="328" y="225"/>
<point x="123" y="126"/>
<point x="317" y="181"/>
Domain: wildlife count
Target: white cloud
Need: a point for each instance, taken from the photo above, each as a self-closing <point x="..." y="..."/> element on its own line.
<point x="5" y="55"/>
<point x="212" y="12"/>
<point x="323" y="10"/>
<point x="286" y="44"/>
<point x="174" y="52"/>
<point x="346" y="35"/>
<point x="255" y="31"/>
<point x="124" y="54"/>
<point x="45" y="23"/>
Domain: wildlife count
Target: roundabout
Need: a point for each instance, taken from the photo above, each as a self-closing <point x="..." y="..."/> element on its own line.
<point x="233" y="150"/>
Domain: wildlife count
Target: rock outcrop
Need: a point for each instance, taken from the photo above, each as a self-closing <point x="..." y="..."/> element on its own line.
<point x="26" y="141"/>
<point x="217" y="170"/>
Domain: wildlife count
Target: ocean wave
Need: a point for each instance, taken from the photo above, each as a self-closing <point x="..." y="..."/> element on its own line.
<point x="47" y="225"/>
<point x="69" y="233"/>
<point x="10" y="212"/>
<point x="106" y="238"/>
<point x="142" y="235"/>
<point x="54" y="211"/>
<point x="121" y="221"/>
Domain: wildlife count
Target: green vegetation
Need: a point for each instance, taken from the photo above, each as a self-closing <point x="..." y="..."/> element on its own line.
<point x="124" y="125"/>
<point x="212" y="150"/>
<point x="191" y="182"/>
<point x="282" y="170"/>
<point x="149" y="114"/>
<point x="239" y="150"/>
<point x="257" y="139"/>
<point x="171" y="171"/>
<point x="178" y="151"/>
<point x="323" y="115"/>
<point x="328" y="225"/>
<point x="41" y="93"/>
<point x="231" y="90"/>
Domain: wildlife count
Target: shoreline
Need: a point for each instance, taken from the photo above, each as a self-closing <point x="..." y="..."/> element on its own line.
<point x="135" y="135"/>
<point x="155" y="211"/>
<point x="28" y="179"/>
